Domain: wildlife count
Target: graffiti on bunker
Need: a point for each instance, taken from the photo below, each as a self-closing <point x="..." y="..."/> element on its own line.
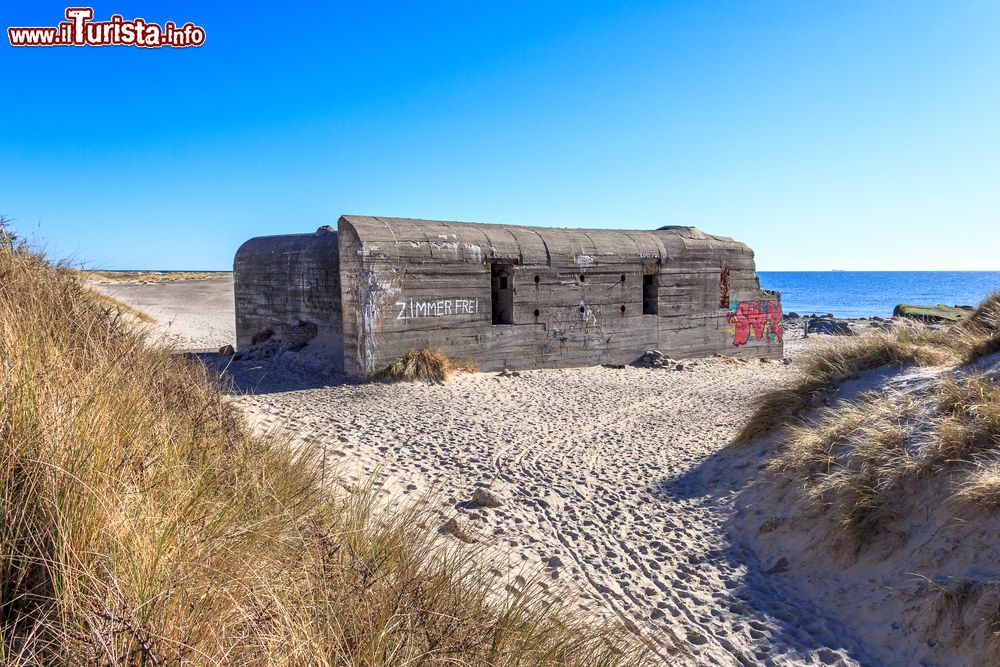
<point x="756" y="321"/>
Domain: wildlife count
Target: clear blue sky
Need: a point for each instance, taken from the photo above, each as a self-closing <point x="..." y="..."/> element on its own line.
<point x="849" y="135"/>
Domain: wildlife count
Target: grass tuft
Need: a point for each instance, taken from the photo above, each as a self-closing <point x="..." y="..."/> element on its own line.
<point x="143" y="524"/>
<point x="967" y="607"/>
<point x="427" y="363"/>
<point x="981" y="487"/>
<point x="982" y="330"/>
<point x="853" y="461"/>
<point x="857" y="460"/>
<point x="969" y="416"/>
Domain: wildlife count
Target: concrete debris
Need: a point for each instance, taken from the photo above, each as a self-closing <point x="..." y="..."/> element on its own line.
<point x="264" y="350"/>
<point x="486" y="498"/>
<point x="656" y="359"/>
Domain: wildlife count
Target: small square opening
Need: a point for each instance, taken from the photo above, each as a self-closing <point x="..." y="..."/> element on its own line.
<point x="650" y="294"/>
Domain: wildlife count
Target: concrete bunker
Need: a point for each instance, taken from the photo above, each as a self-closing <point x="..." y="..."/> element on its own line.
<point x="287" y="291"/>
<point x="504" y="296"/>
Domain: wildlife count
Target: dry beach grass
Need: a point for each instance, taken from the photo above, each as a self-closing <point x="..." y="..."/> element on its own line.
<point x="144" y="525"/>
<point x="837" y="361"/>
<point x="854" y="456"/>
<point x="427" y="363"/>
<point x="149" y="276"/>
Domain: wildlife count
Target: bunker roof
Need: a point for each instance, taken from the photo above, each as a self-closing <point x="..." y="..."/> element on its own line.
<point x="323" y="239"/>
<point x="404" y="239"/>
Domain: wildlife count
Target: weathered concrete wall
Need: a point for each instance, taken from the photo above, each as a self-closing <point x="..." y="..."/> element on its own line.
<point x="577" y="294"/>
<point x="288" y="284"/>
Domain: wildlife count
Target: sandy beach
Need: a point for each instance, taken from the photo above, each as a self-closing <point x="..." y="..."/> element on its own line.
<point x="191" y="315"/>
<point x="615" y="485"/>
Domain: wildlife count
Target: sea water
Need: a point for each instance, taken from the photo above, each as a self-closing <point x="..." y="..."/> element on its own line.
<point x="876" y="293"/>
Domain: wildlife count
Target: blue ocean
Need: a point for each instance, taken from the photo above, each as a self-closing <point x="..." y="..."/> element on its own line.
<point x="876" y="293"/>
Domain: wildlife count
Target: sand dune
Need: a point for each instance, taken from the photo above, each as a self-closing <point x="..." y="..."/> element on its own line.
<point x="922" y="589"/>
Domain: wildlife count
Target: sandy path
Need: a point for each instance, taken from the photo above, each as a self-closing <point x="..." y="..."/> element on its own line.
<point x="616" y="488"/>
<point x="613" y="472"/>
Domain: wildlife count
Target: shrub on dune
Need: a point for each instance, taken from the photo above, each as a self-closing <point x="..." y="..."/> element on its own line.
<point x="858" y="461"/>
<point x="843" y="359"/>
<point x="838" y="361"/>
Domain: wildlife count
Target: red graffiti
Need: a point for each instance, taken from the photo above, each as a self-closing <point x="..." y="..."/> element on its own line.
<point x="757" y="317"/>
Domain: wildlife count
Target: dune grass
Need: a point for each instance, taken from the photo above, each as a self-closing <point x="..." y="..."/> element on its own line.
<point x="142" y="524"/>
<point x="857" y="460"/>
<point x="852" y="461"/>
<point x="981" y="486"/>
<point x="149" y="276"/>
<point x="966" y="607"/>
<point x="982" y="331"/>
<point x="427" y="363"/>
<point x="845" y="358"/>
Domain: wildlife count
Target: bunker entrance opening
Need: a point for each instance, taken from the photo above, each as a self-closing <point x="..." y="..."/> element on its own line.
<point x="650" y="294"/>
<point x="502" y="293"/>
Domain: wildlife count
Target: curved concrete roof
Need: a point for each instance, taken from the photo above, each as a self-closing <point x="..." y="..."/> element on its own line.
<point x="410" y="239"/>
<point x="324" y="238"/>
